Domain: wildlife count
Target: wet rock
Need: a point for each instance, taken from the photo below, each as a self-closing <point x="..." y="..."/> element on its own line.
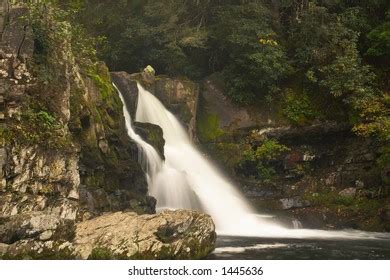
<point x="148" y="75"/>
<point x="293" y="202"/>
<point x="152" y="134"/>
<point x="181" y="234"/>
<point x="180" y="96"/>
<point x="25" y="226"/>
<point x="313" y="130"/>
<point x="38" y="171"/>
<point x="349" y="192"/>
<point x="255" y="189"/>
<point x="3" y="248"/>
<point x="127" y="84"/>
<point x="98" y="200"/>
<point x="229" y="115"/>
<point x="46" y="235"/>
<point x="3" y="161"/>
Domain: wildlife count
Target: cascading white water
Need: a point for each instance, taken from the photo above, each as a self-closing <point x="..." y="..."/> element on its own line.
<point x="196" y="180"/>
<point x="186" y="180"/>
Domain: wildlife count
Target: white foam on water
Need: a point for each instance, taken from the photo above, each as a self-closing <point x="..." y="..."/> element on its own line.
<point x="220" y="250"/>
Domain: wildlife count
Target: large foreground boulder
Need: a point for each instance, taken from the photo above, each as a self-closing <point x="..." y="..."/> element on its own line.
<point x="178" y="234"/>
<point x="181" y="234"/>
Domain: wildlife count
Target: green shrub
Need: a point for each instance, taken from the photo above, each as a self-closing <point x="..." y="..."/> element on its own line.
<point x="262" y="157"/>
<point x="45" y="117"/>
<point x="297" y="108"/>
<point x="383" y="162"/>
<point x="265" y="172"/>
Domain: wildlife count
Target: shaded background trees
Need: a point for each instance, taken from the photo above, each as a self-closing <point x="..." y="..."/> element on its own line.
<point x="325" y="53"/>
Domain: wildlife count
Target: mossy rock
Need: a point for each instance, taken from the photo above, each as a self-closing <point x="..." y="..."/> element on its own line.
<point x="152" y="134"/>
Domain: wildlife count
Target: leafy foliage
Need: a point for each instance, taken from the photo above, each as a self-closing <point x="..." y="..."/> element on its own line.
<point x="379" y="39"/>
<point x="297" y="107"/>
<point x="263" y="156"/>
<point x="268" y="150"/>
<point x="243" y="36"/>
<point x="335" y="51"/>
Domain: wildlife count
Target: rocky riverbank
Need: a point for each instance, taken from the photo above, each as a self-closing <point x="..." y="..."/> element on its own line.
<point x="320" y="174"/>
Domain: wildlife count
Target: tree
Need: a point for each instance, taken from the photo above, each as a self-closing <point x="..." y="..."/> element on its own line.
<point x="247" y="50"/>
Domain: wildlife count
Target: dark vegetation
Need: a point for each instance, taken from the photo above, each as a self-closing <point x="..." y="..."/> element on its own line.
<point x="308" y="55"/>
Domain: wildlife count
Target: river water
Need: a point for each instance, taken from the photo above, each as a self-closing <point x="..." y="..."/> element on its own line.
<point x="252" y="248"/>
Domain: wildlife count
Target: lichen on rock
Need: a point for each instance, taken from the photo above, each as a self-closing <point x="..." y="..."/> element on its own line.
<point x="180" y="234"/>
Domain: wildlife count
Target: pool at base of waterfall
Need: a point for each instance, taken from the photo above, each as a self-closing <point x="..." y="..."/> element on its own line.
<point x="252" y="248"/>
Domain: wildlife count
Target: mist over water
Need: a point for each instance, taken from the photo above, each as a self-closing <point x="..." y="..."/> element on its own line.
<point x="187" y="180"/>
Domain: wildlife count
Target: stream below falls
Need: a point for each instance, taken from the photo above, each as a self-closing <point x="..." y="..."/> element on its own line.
<point x="254" y="248"/>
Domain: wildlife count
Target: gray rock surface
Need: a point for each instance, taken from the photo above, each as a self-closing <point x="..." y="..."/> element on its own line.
<point x="293" y="202"/>
<point x="349" y="192"/>
<point x="127" y="84"/>
<point x="181" y="234"/>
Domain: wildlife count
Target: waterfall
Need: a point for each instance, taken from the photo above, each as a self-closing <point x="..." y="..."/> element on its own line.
<point x="187" y="180"/>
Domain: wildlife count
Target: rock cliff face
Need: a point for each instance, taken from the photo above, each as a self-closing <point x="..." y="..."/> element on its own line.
<point x="65" y="156"/>
<point x="66" y="140"/>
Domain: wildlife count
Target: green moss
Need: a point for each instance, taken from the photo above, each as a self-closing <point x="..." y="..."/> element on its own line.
<point x="269" y="150"/>
<point x="29" y="253"/>
<point x="38" y="127"/>
<point x="359" y="205"/>
<point x="208" y="127"/>
<point x="362" y="211"/>
<point x="100" y="75"/>
<point x="230" y="154"/>
<point x="265" y="172"/>
<point x="100" y="253"/>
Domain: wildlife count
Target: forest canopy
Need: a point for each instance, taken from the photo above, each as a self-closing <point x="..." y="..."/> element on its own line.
<point x="304" y="53"/>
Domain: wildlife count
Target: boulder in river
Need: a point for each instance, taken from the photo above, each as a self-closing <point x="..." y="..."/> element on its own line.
<point x="180" y="234"/>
